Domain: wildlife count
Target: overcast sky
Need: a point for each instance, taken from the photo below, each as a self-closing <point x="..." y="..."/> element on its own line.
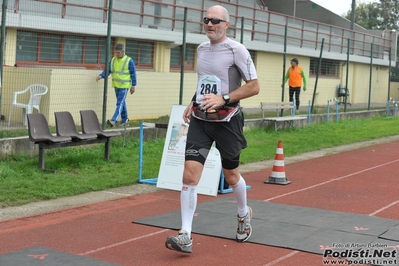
<point x="339" y="6"/>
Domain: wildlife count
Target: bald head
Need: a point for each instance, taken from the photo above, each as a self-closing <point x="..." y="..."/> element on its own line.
<point x="224" y="14"/>
<point x="217" y="24"/>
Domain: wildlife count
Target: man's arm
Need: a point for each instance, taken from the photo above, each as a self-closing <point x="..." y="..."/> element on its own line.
<point x="287" y="76"/>
<point x="249" y="75"/>
<point x="187" y="112"/>
<point x="250" y="89"/>
<point x="132" y="70"/>
<point x="304" y="80"/>
<point x="102" y="74"/>
<point x="213" y="101"/>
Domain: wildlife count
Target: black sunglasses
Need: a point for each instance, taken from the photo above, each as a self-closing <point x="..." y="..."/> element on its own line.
<point x="213" y="20"/>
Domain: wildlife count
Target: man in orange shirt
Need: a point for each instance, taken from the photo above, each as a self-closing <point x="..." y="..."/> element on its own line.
<point x="295" y="75"/>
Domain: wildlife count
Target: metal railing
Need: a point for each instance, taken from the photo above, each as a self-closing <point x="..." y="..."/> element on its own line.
<point x="265" y="26"/>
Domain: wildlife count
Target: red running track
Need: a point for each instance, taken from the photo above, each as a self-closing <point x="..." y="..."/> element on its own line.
<point x="360" y="181"/>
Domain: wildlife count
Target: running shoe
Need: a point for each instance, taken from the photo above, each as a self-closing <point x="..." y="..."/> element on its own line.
<point x="111" y="123"/>
<point x="125" y="124"/>
<point x="181" y="242"/>
<point x="244" y="229"/>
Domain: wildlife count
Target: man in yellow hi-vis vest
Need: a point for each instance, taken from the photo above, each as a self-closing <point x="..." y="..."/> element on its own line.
<point x="294" y="76"/>
<point x="123" y="73"/>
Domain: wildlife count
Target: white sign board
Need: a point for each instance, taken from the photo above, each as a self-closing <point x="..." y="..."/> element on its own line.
<point x="172" y="164"/>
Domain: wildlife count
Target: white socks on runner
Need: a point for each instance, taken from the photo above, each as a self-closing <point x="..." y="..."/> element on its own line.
<point x="240" y="192"/>
<point x="188" y="203"/>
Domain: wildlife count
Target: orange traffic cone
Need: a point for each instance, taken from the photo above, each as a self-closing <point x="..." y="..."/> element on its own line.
<point x="278" y="171"/>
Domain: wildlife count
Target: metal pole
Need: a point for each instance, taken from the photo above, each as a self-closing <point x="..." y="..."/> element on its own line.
<point x="242" y="30"/>
<point x="294" y="8"/>
<point x="317" y="74"/>
<point x="347" y="74"/>
<point x="352" y="26"/>
<point x="389" y="74"/>
<point x="336" y="110"/>
<point x="328" y="111"/>
<point x="141" y="139"/>
<point x="371" y="75"/>
<point x="387" y="109"/>
<point x="284" y="59"/>
<point x="107" y="59"/>
<point x="183" y="60"/>
<point x="3" y="37"/>
<point x="353" y="14"/>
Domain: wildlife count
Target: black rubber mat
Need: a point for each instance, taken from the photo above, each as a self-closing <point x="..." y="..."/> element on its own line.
<point x="299" y="228"/>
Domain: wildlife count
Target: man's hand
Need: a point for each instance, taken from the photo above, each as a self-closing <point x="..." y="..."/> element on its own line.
<point x="132" y="89"/>
<point x="187" y="113"/>
<point x="211" y="101"/>
<point x="304" y="89"/>
<point x="98" y="78"/>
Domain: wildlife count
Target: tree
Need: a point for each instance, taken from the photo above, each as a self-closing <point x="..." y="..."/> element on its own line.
<point x="377" y="15"/>
<point x="390" y="14"/>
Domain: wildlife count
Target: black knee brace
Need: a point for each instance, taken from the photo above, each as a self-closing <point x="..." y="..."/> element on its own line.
<point x="196" y="153"/>
<point x="231" y="164"/>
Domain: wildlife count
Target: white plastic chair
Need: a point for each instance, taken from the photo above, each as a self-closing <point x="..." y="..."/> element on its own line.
<point x="36" y="93"/>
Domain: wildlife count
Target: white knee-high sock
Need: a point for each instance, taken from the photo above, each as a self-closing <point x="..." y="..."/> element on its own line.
<point x="240" y="192"/>
<point x="188" y="203"/>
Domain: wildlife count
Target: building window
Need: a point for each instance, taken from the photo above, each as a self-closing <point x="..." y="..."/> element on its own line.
<point x="329" y="68"/>
<point x="27" y="46"/>
<point x="73" y="49"/>
<point x="142" y="53"/>
<point x="94" y="46"/>
<point x="176" y="56"/>
<point x="395" y="73"/>
<point x="50" y="48"/>
<point x="35" y="48"/>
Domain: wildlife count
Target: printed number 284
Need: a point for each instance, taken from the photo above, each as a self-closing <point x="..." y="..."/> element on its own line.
<point x="208" y="88"/>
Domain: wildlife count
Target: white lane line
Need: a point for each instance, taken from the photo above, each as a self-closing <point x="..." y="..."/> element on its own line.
<point x="282" y="258"/>
<point x="123" y="242"/>
<point x="384" y="208"/>
<point x="331" y="180"/>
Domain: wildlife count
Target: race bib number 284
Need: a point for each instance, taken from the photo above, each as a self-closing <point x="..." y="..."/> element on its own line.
<point x="208" y="84"/>
<point x="208" y="88"/>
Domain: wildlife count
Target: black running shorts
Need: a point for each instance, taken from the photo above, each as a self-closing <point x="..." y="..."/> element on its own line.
<point x="229" y="136"/>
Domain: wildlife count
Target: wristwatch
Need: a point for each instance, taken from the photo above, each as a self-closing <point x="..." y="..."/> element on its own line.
<point x="226" y="98"/>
